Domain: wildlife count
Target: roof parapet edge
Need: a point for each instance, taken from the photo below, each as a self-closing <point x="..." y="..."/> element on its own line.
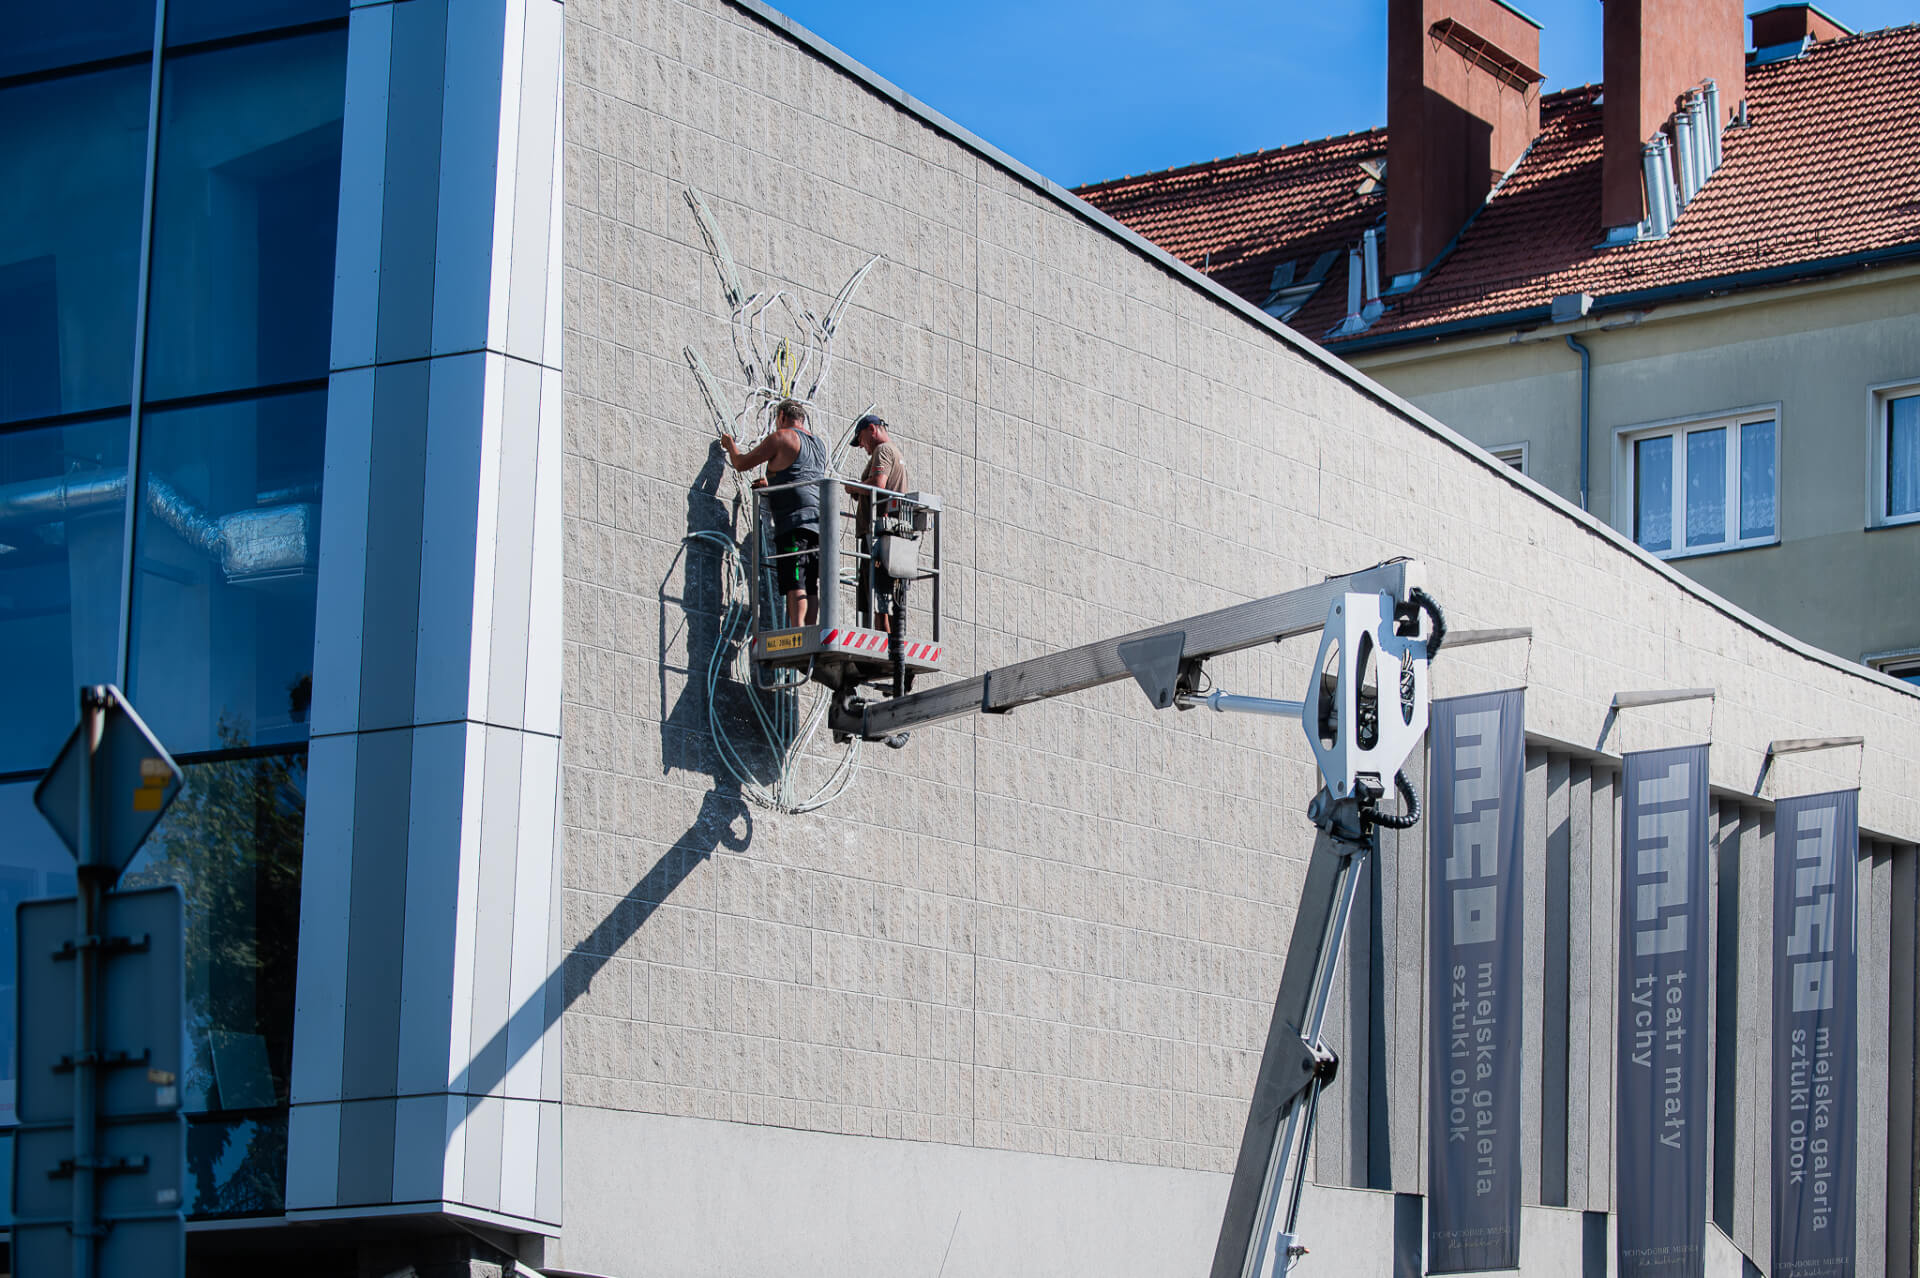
<point x="1326" y="359"/>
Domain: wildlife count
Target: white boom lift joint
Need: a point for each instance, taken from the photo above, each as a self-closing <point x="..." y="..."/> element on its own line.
<point x="1364" y="713"/>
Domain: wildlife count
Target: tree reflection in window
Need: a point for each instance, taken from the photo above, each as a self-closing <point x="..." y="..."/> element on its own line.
<point x="232" y="843"/>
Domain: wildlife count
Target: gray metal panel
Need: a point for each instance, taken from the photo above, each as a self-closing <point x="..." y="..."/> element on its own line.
<point x="366" y="1152"/>
<point x="528" y="979"/>
<point x="410" y="206"/>
<point x="326" y="896"/>
<point x="1753" y="1197"/>
<point x="1581" y="973"/>
<point x="553" y="1046"/>
<point x="552" y="1175"/>
<point x="377" y="922"/>
<point x="492" y="958"/>
<point x="551" y="345"/>
<point x="434" y="831"/>
<point x="340" y="593"/>
<point x="1333" y="1133"/>
<point x="1873" y="896"/>
<point x="1409" y="1094"/>
<point x="1902" y="965"/>
<point x="1721" y="1166"/>
<point x="419" y="1149"/>
<point x="486" y="1117"/>
<point x="470" y="139"/>
<point x="313" y="1154"/>
<point x="396" y="484"/>
<point x="545" y="602"/>
<point x="520" y="1156"/>
<point x="1604" y="932"/>
<point x="1377" y="1152"/>
<point x="535" y="172"/>
<point x="513" y="545"/>
<point x="450" y="514"/>
<point x="363" y="175"/>
<point x="1534" y="991"/>
<point x="1554" y="984"/>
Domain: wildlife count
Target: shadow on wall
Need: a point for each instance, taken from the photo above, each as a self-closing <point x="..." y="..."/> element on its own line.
<point x="724" y="819"/>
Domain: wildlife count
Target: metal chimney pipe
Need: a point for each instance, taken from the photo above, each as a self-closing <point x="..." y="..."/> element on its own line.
<point x="1688" y="155"/>
<point x="1354" y="281"/>
<point x="1716" y="123"/>
<point x="1370" y="248"/>
<point x="1659" y="180"/>
<point x="1696" y="108"/>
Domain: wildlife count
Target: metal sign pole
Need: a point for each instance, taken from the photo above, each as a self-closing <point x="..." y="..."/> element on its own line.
<point x="87" y="902"/>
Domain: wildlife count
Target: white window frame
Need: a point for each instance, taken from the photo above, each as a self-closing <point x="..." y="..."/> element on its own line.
<point x="1624" y="439"/>
<point x="1507" y="454"/>
<point x="1878" y="397"/>
<point x="1898" y="663"/>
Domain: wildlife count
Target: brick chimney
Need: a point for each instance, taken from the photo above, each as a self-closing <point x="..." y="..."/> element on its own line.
<point x="1656" y="50"/>
<point x="1792" y="23"/>
<point x="1463" y="102"/>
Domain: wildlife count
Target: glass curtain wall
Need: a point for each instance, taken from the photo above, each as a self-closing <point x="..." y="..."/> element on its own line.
<point x="166" y="282"/>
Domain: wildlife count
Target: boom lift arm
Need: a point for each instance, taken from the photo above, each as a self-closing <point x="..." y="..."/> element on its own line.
<point x="1365" y="711"/>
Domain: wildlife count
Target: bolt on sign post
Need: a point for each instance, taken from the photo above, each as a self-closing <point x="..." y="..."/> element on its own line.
<point x="99" y="1158"/>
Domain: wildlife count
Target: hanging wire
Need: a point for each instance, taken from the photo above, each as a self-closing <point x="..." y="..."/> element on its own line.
<point x="774" y="366"/>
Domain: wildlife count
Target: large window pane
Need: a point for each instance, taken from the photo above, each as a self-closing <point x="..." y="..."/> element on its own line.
<point x="42" y="36"/>
<point x="62" y="508"/>
<point x="33" y="863"/>
<point x="232" y="843"/>
<point x="1653" y="492"/>
<point x="1706" y="487"/>
<point x="1756" y="479"/>
<point x="225" y="549"/>
<point x="247" y="196"/>
<point x="1903" y="456"/>
<point x="73" y="159"/>
<point x="192" y="20"/>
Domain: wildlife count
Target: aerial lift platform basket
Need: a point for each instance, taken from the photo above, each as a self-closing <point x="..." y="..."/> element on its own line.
<point x="841" y="647"/>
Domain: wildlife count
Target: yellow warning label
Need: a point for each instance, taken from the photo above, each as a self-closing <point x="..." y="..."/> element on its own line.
<point x="785" y="643"/>
<point x="146" y="800"/>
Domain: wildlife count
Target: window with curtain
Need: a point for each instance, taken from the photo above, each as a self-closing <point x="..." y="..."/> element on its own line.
<point x="1703" y="486"/>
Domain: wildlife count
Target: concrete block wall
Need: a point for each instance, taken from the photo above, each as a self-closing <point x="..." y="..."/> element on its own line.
<point x="1031" y="955"/>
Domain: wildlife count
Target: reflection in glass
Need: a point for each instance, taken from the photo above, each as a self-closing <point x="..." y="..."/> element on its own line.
<point x="1903" y="456"/>
<point x="192" y="20"/>
<point x="1706" y="487"/>
<point x="232" y="843"/>
<point x="43" y="36"/>
<point x="226" y="547"/>
<point x="62" y="507"/>
<point x="1653" y="492"/>
<point x="237" y="1166"/>
<point x="33" y="863"/>
<point x="73" y="152"/>
<point x="247" y="195"/>
<point x="1756" y="479"/>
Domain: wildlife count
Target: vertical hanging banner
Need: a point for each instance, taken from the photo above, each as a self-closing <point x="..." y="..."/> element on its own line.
<point x="1474" y="906"/>
<point x="1661" y="1117"/>
<point x="1816" y="849"/>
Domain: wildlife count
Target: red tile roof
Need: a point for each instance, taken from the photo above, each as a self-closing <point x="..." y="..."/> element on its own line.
<point x="1828" y="167"/>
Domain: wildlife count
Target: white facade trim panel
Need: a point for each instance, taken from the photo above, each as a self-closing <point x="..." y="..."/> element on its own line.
<point x="551" y="344"/>
<point x="545" y="599"/>
<point x="506" y="170"/>
<point x="486" y="534"/>
<point x="520" y="1157"/>
<point x="466" y="927"/>
<point x="363" y="180"/>
<point x="534" y="181"/>
<point x="533" y="881"/>
<point x="513" y="545"/>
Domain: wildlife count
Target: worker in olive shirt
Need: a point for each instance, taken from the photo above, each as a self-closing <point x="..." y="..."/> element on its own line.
<point x="887" y="469"/>
<point x="792" y="454"/>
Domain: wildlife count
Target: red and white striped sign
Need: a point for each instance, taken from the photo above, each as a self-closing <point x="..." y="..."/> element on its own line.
<point x="875" y="642"/>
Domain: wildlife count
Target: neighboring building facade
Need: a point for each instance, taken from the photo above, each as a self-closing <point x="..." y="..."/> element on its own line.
<point x="997" y="1009"/>
<point x="1748" y="405"/>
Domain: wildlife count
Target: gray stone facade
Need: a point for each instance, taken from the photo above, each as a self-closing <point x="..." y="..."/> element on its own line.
<point x="998" y="1009"/>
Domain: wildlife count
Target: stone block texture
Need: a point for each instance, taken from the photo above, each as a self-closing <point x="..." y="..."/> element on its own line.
<point x="1059" y="932"/>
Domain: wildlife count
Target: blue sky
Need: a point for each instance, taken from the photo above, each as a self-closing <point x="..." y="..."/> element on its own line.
<point x="1089" y="89"/>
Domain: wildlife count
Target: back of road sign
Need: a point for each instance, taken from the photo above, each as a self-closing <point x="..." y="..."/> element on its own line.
<point x="142" y="1133"/>
<point x="134" y="780"/>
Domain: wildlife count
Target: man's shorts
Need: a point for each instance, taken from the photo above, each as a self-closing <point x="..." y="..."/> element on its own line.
<point x="791" y="573"/>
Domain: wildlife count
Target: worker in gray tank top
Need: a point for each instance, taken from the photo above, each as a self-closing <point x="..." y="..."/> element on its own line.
<point x="792" y="454"/>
